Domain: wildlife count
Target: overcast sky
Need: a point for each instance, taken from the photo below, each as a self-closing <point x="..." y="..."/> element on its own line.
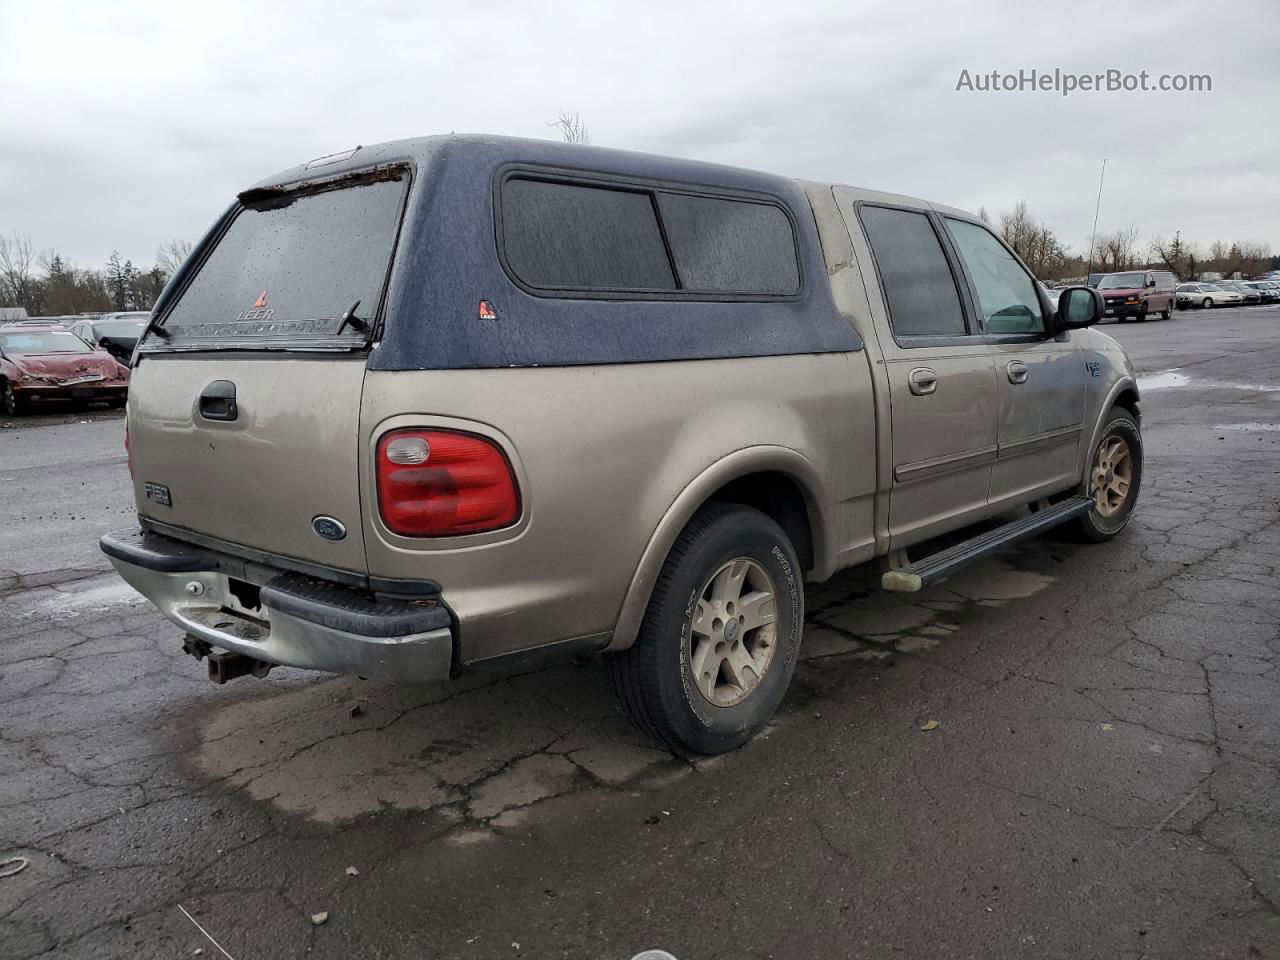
<point x="127" y="124"/>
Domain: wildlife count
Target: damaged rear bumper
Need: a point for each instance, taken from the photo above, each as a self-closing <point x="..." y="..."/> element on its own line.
<point x="285" y="618"/>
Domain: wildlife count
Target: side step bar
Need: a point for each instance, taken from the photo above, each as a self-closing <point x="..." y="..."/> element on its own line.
<point x="936" y="568"/>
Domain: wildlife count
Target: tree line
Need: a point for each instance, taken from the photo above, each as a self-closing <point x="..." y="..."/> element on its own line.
<point x="47" y="284"/>
<point x="1120" y="249"/>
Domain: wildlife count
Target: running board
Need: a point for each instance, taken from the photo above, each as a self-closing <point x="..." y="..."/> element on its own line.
<point x="937" y="567"/>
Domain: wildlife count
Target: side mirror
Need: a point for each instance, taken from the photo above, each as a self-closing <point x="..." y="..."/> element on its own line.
<point x="1079" y="307"/>
<point x="1151" y="283"/>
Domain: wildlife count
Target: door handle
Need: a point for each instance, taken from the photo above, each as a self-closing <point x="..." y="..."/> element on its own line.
<point x="922" y="381"/>
<point x="1017" y="371"/>
<point x="218" y="401"/>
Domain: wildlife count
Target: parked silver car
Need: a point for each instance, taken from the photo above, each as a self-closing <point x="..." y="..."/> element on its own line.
<point x="1268" y="290"/>
<point x="463" y="401"/>
<point x="1207" y="295"/>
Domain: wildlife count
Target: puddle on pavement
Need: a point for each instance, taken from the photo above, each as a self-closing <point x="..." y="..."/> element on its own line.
<point x="1172" y="378"/>
<point x="1256" y="426"/>
<point x="1160" y="381"/>
<point x="83" y="596"/>
<point x="483" y="752"/>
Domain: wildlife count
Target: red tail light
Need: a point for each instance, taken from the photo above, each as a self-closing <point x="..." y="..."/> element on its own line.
<point x="440" y="483"/>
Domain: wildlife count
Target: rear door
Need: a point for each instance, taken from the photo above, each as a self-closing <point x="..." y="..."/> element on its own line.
<point x="1040" y="378"/>
<point x="244" y="417"/>
<point x="942" y="389"/>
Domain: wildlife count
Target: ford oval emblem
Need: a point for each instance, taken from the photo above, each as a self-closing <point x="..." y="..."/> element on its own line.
<point x="329" y="527"/>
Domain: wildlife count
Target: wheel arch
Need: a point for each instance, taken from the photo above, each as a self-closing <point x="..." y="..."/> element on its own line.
<point x="1123" y="393"/>
<point x="778" y="481"/>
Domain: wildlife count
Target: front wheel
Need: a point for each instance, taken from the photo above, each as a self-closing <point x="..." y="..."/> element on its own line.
<point x="719" y="641"/>
<point x="9" y="405"/>
<point x="1114" y="477"/>
<point x="1207" y="304"/>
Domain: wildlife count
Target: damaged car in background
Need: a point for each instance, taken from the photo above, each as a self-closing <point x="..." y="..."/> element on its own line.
<point x="38" y="364"/>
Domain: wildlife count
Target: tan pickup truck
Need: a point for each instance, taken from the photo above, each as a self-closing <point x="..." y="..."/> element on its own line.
<point x="460" y="401"/>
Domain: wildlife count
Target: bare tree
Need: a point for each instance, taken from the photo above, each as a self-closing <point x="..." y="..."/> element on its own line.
<point x="17" y="281"/>
<point x="571" y="128"/>
<point x="1218" y="254"/>
<point x="1181" y="257"/>
<point x="1018" y="227"/>
<point x="1118" y="250"/>
<point x="170" y="256"/>
<point x="1255" y="257"/>
<point x="983" y="215"/>
<point x="1034" y="241"/>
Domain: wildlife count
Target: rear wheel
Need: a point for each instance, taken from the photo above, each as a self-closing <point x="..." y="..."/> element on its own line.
<point x="1114" y="477"/>
<point x="719" y="641"/>
<point x="1167" y="312"/>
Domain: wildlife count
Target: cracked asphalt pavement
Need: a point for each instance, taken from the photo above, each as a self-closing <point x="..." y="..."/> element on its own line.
<point x="1103" y="779"/>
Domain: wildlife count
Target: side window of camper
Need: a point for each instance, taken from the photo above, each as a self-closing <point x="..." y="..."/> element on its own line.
<point x="563" y="236"/>
<point x="730" y="246"/>
<point x="560" y="237"/>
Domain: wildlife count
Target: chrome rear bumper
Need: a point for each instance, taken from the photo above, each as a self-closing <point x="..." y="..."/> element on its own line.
<point x="297" y="621"/>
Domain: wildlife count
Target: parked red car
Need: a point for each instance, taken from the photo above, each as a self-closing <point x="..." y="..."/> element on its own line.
<point x="38" y="362"/>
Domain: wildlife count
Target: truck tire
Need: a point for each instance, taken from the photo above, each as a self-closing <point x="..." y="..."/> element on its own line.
<point x="719" y="641"/>
<point x="1167" y="312"/>
<point x="1113" y="477"/>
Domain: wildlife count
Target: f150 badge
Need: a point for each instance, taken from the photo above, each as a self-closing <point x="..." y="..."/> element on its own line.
<point x="157" y="493"/>
<point x="1094" y="367"/>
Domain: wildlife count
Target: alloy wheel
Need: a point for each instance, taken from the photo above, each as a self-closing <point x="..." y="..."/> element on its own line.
<point x="734" y="632"/>
<point x="1111" y="477"/>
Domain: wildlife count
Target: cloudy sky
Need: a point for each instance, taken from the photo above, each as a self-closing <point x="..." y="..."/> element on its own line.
<point x="127" y="124"/>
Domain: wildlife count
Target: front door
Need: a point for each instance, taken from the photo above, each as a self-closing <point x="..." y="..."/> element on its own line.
<point x="942" y="388"/>
<point x="1040" y="378"/>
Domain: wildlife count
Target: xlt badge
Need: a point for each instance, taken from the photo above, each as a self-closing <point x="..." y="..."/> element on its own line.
<point x="157" y="493"/>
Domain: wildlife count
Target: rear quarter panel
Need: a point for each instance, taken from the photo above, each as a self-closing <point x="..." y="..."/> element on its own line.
<point x="601" y="454"/>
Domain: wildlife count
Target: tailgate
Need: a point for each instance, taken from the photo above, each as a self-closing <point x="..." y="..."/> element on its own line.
<point x="289" y="456"/>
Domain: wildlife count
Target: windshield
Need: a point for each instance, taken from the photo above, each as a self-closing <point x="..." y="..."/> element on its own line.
<point x="286" y="270"/>
<point x="1121" y="281"/>
<point x="44" y="341"/>
<point x="119" y="328"/>
<point x="1211" y="287"/>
